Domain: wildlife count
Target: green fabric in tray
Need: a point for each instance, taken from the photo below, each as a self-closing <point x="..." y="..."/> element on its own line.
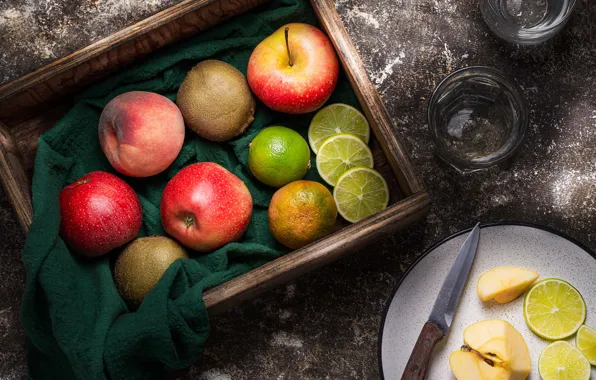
<point x="77" y="324"/>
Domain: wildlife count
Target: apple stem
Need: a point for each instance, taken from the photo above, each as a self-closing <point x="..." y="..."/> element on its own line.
<point x="286" y="33"/>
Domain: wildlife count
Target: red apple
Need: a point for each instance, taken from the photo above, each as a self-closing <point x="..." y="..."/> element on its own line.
<point x="99" y="212"/>
<point x="141" y="133"/>
<point x="294" y="70"/>
<point x="205" y="207"/>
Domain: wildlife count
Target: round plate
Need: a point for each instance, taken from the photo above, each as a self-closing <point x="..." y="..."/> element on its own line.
<point x="549" y="253"/>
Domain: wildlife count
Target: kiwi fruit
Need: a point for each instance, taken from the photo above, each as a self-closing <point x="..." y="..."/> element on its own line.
<point x="215" y="101"/>
<point x="142" y="263"/>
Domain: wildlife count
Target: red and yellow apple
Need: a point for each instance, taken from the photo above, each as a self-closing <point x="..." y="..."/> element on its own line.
<point x="99" y="212"/>
<point x="141" y="133"/>
<point x="205" y="207"/>
<point x="294" y="70"/>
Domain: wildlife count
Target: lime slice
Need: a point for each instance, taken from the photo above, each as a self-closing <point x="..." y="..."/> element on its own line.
<point x="561" y="360"/>
<point x="360" y="192"/>
<point x="334" y="119"/>
<point x="340" y="153"/>
<point x="553" y="309"/>
<point x="586" y="343"/>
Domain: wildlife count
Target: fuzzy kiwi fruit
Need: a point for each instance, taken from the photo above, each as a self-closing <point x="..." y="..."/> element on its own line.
<point x="215" y="101"/>
<point x="142" y="263"/>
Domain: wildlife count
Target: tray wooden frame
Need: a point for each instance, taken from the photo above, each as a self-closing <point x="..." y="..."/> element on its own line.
<point x="31" y="105"/>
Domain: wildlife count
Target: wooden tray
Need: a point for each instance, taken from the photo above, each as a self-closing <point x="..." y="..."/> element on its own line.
<point x="32" y="104"/>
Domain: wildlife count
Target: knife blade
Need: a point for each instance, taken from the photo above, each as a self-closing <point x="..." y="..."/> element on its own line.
<point x="441" y="315"/>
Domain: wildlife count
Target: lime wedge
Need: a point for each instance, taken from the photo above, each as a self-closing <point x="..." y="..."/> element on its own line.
<point x="340" y="153"/>
<point x="334" y="119"/>
<point x="561" y="360"/>
<point x="360" y="192"/>
<point x="554" y="309"/>
<point x="586" y="343"/>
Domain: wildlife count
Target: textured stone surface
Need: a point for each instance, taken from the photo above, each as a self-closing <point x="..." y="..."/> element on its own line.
<point x="37" y="32"/>
<point x="326" y="324"/>
<point x="12" y="282"/>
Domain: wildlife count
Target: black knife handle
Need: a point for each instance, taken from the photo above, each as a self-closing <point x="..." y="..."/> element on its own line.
<point x="420" y="358"/>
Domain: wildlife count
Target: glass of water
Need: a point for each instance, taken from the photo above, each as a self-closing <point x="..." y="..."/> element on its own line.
<point x="526" y="21"/>
<point x="477" y="117"/>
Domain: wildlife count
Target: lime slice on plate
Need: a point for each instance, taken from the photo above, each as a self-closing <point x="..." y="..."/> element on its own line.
<point x="586" y="343"/>
<point x="334" y="119"/>
<point x="561" y="360"/>
<point x="554" y="309"/>
<point x="340" y="153"/>
<point x="360" y="192"/>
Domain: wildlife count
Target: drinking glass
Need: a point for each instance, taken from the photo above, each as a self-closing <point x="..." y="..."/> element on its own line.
<point x="477" y="117"/>
<point x="526" y="21"/>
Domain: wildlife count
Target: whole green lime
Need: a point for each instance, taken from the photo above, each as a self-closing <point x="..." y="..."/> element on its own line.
<point x="278" y="156"/>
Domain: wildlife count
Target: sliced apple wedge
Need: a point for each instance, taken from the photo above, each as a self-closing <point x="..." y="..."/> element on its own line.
<point x="467" y="365"/>
<point x="504" y="284"/>
<point x="492" y="350"/>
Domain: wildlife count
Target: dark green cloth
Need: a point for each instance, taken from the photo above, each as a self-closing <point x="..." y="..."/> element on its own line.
<point x="77" y="324"/>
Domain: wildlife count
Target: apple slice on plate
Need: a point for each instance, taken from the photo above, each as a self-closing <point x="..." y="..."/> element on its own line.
<point x="492" y="350"/>
<point x="504" y="284"/>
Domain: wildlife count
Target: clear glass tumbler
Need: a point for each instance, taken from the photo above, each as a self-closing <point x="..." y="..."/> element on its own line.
<point x="477" y="117"/>
<point x="526" y="21"/>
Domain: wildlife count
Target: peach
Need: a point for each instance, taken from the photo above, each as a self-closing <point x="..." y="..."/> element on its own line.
<point x="141" y="133"/>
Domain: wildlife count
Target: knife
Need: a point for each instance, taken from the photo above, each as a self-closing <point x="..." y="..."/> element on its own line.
<point x="441" y="316"/>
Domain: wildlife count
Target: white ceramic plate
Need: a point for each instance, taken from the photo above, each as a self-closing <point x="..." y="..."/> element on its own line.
<point x="547" y="252"/>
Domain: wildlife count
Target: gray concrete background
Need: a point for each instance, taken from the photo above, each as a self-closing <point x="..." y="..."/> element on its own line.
<point x="326" y="324"/>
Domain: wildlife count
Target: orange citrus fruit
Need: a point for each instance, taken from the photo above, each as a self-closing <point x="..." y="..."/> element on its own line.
<point x="301" y="212"/>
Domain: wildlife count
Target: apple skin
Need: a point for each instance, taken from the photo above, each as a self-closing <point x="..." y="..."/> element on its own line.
<point x="308" y="83"/>
<point x="141" y="133"/>
<point x="99" y="212"/>
<point x="205" y="207"/>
